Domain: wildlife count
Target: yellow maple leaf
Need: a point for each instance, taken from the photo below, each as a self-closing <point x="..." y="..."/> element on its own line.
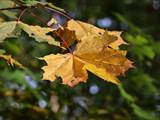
<point x="92" y="53"/>
<point x="67" y="66"/>
<point x="81" y="28"/>
<point x="77" y="29"/>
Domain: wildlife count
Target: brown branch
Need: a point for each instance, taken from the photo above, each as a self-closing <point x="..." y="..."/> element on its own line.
<point x="59" y="12"/>
<point x="46" y="7"/>
<point x="21" y="14"/>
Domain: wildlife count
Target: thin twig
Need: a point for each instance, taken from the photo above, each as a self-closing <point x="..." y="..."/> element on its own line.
<point x="21" y="14"/>
<point x="52" y="9"/>
<point x="33" y="14"/>
<point x="59" y="12"/>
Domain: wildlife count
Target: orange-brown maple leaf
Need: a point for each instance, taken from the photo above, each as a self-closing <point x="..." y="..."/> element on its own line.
<point x="96" y="52"/>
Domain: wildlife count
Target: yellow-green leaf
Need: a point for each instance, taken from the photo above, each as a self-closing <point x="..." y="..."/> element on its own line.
<point x="6" y="29"/>
<point x="7" y="4"/>
<point x="40" y="34"/>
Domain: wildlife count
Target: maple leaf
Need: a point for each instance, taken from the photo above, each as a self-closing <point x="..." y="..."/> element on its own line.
<point x="76" y="30"/>
<point x="81" y="28"/>
<point x="39" y="33"/>
<point x="67" y="66"/>
<point x="95" y="50"/>
<point x="93" y="54"/>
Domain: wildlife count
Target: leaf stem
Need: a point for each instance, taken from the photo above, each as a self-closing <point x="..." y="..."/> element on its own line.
<point x="42" y="20"/>
<point x="21" y="14"/>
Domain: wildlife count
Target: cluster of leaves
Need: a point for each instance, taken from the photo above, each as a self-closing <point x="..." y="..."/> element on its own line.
<point x="96" y="50"/>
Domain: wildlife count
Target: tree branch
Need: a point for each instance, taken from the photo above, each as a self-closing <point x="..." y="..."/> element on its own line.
<point x="43" y="6"/>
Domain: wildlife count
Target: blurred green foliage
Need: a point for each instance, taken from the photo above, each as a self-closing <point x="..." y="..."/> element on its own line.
<point x="23" y="95"/>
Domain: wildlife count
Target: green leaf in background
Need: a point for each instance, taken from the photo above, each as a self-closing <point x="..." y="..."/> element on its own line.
<point x="137" y="40"/>
<point x="148" y="52"/>
<point x="124" y="94"/>
<point x="136" y="109"/>
<point x="6" y="29"/>
<point x="143" y="113"/>
<point x="143" y="51"/>
<point x="141" y="46"/>
<point x="145" y="83"/>
<point x="17" y="75"/>
<point x="7" y="4"/>
<point x="140" y="40"/>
